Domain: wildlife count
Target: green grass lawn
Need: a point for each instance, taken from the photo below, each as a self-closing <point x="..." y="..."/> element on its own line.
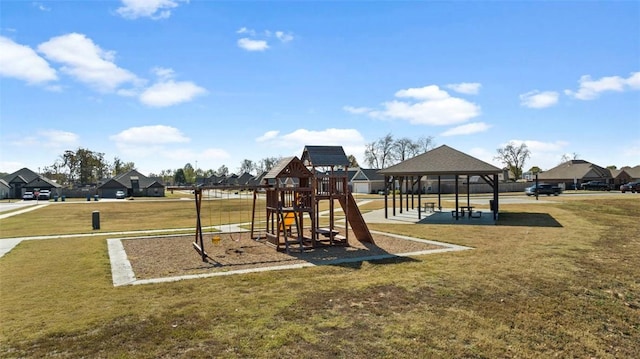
<point x="560" y="282"/>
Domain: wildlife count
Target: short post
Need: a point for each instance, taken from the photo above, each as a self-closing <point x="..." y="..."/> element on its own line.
<point x="95" y="219"/>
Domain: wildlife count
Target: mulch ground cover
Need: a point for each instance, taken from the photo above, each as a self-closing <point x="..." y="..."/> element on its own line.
<point x="169" y="256"/>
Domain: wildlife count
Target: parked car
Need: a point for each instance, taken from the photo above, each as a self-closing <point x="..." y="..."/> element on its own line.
<point x="596" y="186"/>
<point x="543" y="188"/>
<point x="44" y="195"/>
<point x="632" y="187"/>
<point x="120" y="194"/>
<point x="28" y="196"/>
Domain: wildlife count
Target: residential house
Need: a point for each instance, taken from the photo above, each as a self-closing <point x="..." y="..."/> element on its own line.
<point x="26" y="180"/>
<point x="573" y="173"/>
<point x="367" y="180"/>
<point x="133" y="184"/>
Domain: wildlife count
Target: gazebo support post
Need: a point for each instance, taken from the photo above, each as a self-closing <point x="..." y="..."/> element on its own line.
<point x="386" y="196"/>
<point x="468" y="187"/>
<point x="439" y="194"/>
<point x="457" y="209"/>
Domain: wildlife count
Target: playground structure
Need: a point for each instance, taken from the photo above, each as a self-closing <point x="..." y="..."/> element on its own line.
<point x="295" y="190"/>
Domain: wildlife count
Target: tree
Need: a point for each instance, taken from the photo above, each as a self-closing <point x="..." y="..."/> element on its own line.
<point x="179" y="178"/>
<point x="568" y="157"/>
<point x="378" y="154"/>
<point x="513" y="157"/>
<point x="266" y="164"/>
<point x="404" y="148"/>
<point x="424" y="144"/>
<point x="222" y="171"/>
<point x="189" y="173"/>
<point x="246" y="166"/>
<point x="535" y="170"/>
<point x="120" y="167"/>
<point x="353" y="162"/>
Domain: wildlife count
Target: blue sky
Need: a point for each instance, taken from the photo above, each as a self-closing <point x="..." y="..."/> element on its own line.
<point x="162" y="83"/>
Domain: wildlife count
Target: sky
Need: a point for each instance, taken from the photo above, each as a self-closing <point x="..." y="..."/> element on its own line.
<point x="163" y="83"/>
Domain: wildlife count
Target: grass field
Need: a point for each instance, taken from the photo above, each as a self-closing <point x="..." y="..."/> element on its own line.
<point x="554" y="279"/>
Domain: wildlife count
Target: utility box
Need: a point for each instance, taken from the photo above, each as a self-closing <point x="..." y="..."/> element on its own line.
<point x="95" y="219"/>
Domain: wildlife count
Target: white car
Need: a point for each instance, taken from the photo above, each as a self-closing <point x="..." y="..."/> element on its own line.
<point x="120" y="195"/>
<point x="44" y="194"/>
<point x="28" y="196"/>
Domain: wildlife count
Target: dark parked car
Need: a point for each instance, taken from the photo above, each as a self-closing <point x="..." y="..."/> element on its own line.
<point x="596" y="186"/>
<point x="543" y="188"/>
<point x="632" y="187"/>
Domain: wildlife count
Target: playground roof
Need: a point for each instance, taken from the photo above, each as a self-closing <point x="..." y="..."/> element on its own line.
<point x="317" y="156"/>
<point x="289" y="167"/>
<point x="443" y="160"/>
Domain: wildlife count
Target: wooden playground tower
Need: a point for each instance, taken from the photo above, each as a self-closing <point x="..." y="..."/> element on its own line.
<point x="298" y="188"/>
<point x="295" y="191"/>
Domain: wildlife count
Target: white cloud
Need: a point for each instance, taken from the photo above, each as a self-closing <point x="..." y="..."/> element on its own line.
<point x="293" y="143"/>
<point x="357" y="110"/>
<point x="468" y="88"/>
<point x="22" y="62"/>
<point x="149" y="135"/>
<point x="590" y="89"/>
<point x="40" y="6"/>
<point x="48" y="139"/>
<point x="283" y="37"/>
<point x="431" y="92"/>
<point x="154" y="9"/>
<point x="167" y="92"/>
<point x="244" y="30"/>
<point x="539" y="146"/>
<point x="260" y="41"/>
<point x="466" y="129"/>
<point x="59" y="138"/>
<point x="87" y="62"/>
<point x="269" y="135"/>
<point x="537" y="99"/>
<point x="252" y="45"/>
<point x="431" y="106"/>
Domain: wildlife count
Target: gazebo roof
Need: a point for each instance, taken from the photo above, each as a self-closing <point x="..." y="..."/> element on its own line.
<point x="443" y="160"/>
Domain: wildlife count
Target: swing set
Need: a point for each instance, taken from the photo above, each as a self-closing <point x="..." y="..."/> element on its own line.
<point x="198" y="243"/>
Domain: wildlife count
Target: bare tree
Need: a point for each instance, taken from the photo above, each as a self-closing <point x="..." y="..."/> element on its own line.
<point x="403" y="149"/>
<point x="513" y="157"/>
<point x="568" y="157"/>
<point x="424" y="144"/>
<point x="379" y="153"/>
<point x="266" y="164"/>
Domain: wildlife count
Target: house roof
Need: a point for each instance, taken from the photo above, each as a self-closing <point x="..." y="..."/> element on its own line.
<point x="317" y="156"/>
<point x="578" y="169"/>
<point x="368" y="174"/>
<point x="125" y="180"/>
<point x="634" y="172"/>
<point x="26" y="176"/>
<point x="289" y="167"/>
<point x="442" y="160"/>
<point x="42" y="182"/>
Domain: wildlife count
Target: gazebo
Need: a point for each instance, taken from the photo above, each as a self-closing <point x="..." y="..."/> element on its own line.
<point x="441" y="161"/>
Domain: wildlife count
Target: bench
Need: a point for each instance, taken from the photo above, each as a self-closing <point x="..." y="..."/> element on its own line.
<point x="430" y="206"/>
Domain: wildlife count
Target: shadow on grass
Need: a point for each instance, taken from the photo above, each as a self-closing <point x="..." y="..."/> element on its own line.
<point x="350" y="257"/>
<point x="527" y="219"/>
